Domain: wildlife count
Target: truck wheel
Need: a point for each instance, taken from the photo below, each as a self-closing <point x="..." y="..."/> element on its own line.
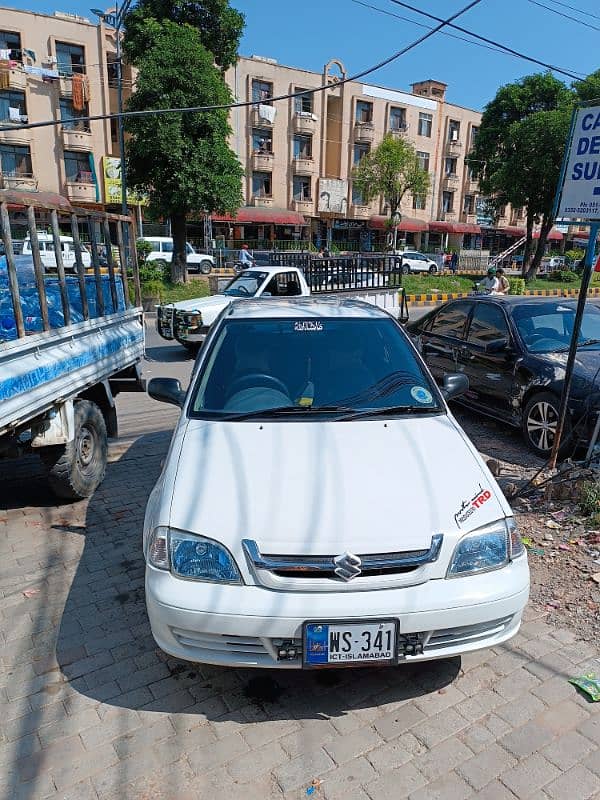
<point x="76" y="469"/>
<point x="206" y="267"/>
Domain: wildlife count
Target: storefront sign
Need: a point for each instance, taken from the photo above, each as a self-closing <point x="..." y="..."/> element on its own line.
<point x="333" y="195"/>
<point x="580" y="189"/>
<point x="111" y="172"/>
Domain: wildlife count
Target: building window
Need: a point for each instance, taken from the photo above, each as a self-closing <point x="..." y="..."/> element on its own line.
<point x="262" y="92"/>
<point x="71" y="118"/>
<point x="397" y="120"/>
<point x="302" y="146"/>
<point x="261" y="184"/>
<point x="471" y="175"/>
<point x="469" y="204"/>
<point x="419" y="201"/>
<point x="262" y="140"/>
<point x="304" y="103"/>
<point x="360" y="151"/>
<point x="450" y="166"/>
<point x="357" y="196"/>
<point x="364" y="111"/>
<point x="423" y="159"/>
<point x="12" y="107"/>
<point x="453" y="131"/>
<point x="10" y="43"/>
<point x="425" y="124"/>
<point x="112" y="69"/>
<point x="70" y="59"/>
<point x="77" y="167"/>
<point x="114" y="130"/>
<point x="474" y="132"/>
<point x="301" y="188"/>
<point x="447" y="201"/>
<point x="15" y="160"/>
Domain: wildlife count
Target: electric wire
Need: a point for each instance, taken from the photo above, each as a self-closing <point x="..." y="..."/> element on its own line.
<point x="504" y="47"/>
<point x="246" y="103"/>
<point x="574" y="8"/>
<point x="566" y="16"/>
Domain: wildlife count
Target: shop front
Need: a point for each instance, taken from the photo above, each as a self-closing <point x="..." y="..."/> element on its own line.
<point x="454" y="236"/>
<point x="261" y="229"/>
<point x="410" y="231"/>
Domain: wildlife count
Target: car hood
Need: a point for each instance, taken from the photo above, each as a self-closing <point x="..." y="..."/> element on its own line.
<point x="586" y="365"/>
<point x="216" y="302"/>
<point x="326" y="487"/>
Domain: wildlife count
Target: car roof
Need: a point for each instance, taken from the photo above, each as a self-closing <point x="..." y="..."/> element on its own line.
<point x="511" y="300"/>
<point x="311" y="307"/>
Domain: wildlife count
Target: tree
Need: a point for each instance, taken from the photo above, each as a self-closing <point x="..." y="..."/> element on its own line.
<point x="588" y="89"/>
<point x="511" y="165"/>
<point x="181" y="160"/>
<point x="219" y="26"/>
<point x="392" y="169"/>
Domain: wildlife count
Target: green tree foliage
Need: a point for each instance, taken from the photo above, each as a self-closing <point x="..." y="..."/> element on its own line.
<point x="519" y="148"/>
<point x="391" y="169"/>
<point x="182" y="161"/>
<point x="219" y="26"/>
<point x="588" y="89"/>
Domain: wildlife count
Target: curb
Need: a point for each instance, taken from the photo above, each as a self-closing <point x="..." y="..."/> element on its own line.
<point x="431" y="299"/>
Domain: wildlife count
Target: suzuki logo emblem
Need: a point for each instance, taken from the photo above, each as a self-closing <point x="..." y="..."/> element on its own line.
<point x="347" y="566"/>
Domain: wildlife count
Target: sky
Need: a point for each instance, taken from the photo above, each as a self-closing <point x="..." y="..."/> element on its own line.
<point x="308" y="33"/>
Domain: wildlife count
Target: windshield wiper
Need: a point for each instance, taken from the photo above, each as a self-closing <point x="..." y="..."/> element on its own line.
<point x="378" y="412"/>
<point x="283" y="410"/>
<point x="588" y="341"/>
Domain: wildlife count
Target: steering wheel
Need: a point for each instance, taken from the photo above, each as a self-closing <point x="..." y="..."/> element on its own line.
<point x="244" y="289"/>
<point x="257" y="379"/>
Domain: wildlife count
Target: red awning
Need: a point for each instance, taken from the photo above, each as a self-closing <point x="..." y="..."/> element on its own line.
<point x="407" y="224"/>
<point x="262" y="216"/>
<point x="553" y="236"/>
<point x="454" y="227"/>
<point x="512" y="231"/>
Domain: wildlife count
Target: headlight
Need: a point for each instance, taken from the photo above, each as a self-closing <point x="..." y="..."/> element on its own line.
<point x="193" y="557"/>
<point x="485" y="549"/>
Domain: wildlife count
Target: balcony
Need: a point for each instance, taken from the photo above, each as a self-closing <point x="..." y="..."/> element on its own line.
<point x="262" y="162"/>
<point x="81" y="191"/>
<point x="471" y="186"/>
<point x="303" y="166"/>
<point x="262" y="201"/>
<point x="471" y="219"/>
<point x="453" y="148"/>
<point x="16" y="136"/>
<point x="304" y="122"/>
<point x="502" y="221"/>
<point x="74" y="139"/>
<point x="360" y="211"/>
<point x="258" y="120"/>
<point x="364" y="132"/>
<point x="24" y="183"/>
<point x="303" y="206"/>
<point x="449" y="216"/>
<point x="17" y="79"/>
<point x="400" y="131"/>
<point x="451" y="181"/>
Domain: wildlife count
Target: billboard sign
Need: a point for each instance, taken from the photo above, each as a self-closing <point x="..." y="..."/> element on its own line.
<point x="333" y="196"/>
<point x="111" y="174"/>
<point x="580" y="190"/>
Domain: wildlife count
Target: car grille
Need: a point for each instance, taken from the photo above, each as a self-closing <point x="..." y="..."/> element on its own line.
<point x="465" y="635"/>
<point x="245" y="649"/>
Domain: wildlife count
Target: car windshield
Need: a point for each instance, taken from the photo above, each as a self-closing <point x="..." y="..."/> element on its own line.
<point x="316" y="366"/>
<point x="246" y="284"/>
<point x="548" y="327"/>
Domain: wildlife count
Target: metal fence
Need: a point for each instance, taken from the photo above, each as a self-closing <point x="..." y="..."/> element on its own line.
<point x="341" y="273"/>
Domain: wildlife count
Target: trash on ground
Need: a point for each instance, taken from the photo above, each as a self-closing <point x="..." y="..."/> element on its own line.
<point x="589" y="684"/>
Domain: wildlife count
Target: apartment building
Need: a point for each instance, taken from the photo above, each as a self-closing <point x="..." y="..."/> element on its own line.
<point x="299" y="156"/>
<point x="58" y="67"/>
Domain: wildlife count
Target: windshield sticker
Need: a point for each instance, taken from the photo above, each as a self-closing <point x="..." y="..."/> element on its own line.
<point x="308" y="325"/>
<point x="421" y="395"/>
<point x="469" y="507"/>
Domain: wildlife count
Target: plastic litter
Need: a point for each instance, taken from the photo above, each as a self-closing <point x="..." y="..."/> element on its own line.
<point x="589" y="684"/>
<point x="30" y="593"/>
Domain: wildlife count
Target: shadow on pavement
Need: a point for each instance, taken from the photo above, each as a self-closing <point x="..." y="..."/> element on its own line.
<point x="105" y="616"/>
<point x="168" y="354"/>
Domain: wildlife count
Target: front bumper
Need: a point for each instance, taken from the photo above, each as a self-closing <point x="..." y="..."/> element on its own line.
<point x="243" y="626"/>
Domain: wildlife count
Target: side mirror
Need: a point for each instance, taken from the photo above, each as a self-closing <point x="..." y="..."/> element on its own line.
<point x="496" y="345"/>
<point x="166" y="390"/>
<point x="455" y="384"/>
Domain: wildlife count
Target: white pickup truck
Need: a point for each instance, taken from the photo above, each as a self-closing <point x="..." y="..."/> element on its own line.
<point x="188" y="321"/>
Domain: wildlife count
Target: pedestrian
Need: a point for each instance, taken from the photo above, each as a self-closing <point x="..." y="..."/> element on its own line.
<point x="490" y="282"/>
<point x="454" y="262"/>
<point x="503" y="282"/>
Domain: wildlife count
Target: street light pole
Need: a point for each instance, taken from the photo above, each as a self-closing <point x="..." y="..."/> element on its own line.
<point x="121" y="128"/>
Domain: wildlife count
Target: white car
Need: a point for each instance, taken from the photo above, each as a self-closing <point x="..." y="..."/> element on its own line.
<point x="48" y="256"/>
<point x="413" y="261"/>
<point x="162" y="250"/>
<point x="320" y="505"/>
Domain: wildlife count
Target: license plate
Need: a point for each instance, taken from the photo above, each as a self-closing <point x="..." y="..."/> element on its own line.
<point x="331" y="644"/>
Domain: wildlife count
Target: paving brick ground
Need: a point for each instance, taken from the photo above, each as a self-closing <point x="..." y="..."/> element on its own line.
<point x="91" y="710"/>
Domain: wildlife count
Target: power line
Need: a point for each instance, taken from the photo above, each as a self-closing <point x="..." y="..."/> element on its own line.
<point x="245" y="104"/>
<point x="566" y="16"/>
<point x="574" y="8"/>
<point x="504" y="47"/>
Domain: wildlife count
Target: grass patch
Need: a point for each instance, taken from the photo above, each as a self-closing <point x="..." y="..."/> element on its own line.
<point x="432" y="284"/>
<point x="173" y="293"/>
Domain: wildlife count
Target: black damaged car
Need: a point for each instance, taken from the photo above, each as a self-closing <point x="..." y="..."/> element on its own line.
<point x="514" y="352"/>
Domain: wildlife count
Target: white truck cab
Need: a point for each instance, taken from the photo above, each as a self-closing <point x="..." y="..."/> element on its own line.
<point x="47" y="251"/>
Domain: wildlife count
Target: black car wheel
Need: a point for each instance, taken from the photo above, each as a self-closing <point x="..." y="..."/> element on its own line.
<point x="432" y="270"/>
<point x="540" y="419"/>
<point x="405" y="269"/>
<point x="206" y="267"/>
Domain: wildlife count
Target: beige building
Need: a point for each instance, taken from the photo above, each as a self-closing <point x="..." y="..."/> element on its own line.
<point x="299" y="156"/>
<point x="57" y="67"/>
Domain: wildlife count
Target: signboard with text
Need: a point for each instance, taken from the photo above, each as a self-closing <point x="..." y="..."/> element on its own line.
<point x="333" y="195"/>
<point x="111" y="173"/>
<point x="580" y="195"/>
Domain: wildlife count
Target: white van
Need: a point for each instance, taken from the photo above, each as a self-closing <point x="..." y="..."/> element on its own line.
<point x="68" y="251"/>
<point x="162" y="250"/>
